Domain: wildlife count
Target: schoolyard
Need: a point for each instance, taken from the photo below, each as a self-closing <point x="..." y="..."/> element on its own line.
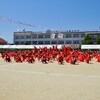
<point x="24" y="81"/>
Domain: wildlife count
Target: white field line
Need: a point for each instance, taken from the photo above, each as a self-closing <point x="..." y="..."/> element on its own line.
<point x="48" y="73"/>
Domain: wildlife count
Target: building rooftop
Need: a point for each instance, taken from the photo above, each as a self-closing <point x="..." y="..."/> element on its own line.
<point x="2" y="41"/>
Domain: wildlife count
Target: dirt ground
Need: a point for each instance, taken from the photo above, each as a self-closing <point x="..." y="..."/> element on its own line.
<point x="24" y="81"/>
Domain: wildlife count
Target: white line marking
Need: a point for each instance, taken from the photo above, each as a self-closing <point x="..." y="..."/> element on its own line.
<point x="48" y="73"/>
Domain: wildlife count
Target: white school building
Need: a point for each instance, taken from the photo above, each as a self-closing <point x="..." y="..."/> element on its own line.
<point x="52" y="37"/>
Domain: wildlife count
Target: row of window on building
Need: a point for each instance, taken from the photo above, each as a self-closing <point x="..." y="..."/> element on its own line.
<point x="48" y="36"/>
<point x="48" y="42"/>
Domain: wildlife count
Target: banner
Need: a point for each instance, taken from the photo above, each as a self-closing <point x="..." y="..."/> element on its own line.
<point x="27" y="46"/>
<point x="90" y="46"/>
<point x="16" y="22"/>
<point x="60" y="35"/>
<point x="53" y="35"/>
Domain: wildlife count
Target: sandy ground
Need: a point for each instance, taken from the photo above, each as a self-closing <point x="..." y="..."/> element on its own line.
<point x="23" y="81"/>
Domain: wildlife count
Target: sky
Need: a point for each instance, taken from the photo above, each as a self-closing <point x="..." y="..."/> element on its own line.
<point x="48" y="14"/>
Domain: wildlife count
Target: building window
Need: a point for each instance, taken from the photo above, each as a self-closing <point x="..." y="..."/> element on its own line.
<point x="28" y="42"/>
<point x="76" y="42"/>
<point x="69" y="42"/>
<point x="22" y="37"/>
<point x="16" y="37"/>
<point x="82" y="35"/>
<point x="40" y="36"/>
<point x="34" y="42"/>
<point x="54" y="42"/>
<point x="40" y="42"/>
<point x="60" y="42"/>
<point x="34" y="36"/>
<point x="56" y="35"/>
<point x="28" y="36"/>
<point x="47" y="36"/>
<point x="68" y="35"/>
<point x="22" y="42"/>
<point x="47" y="42"/>
<point x="75" y="35"/>
<point x="17" y="42"/>
<point x="94" y="37"/>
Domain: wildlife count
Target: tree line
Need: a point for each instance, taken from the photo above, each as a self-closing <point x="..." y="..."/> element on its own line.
<point x="89" y="40"/>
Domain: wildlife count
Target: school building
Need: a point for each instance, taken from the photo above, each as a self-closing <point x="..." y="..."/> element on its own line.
<point x="71" y="37"/>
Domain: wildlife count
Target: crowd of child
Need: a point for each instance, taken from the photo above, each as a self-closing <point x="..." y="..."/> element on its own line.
<point x="47" y="55"/>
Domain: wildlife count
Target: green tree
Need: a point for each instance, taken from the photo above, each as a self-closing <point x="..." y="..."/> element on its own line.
<point x="83" y="42"/>
<point x="98" y="40"/>
<point x="87" y="40"/>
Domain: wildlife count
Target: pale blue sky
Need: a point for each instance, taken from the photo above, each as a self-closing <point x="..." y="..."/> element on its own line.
<point x="49" y="14"/>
